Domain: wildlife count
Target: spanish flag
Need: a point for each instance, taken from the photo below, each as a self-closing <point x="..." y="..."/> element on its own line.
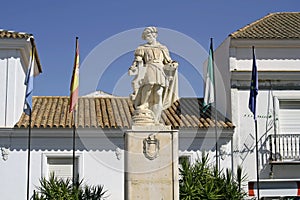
<point x="74" y="88"/>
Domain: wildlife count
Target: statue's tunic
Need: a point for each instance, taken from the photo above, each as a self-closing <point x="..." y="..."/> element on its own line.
<point x="154" y="59"/>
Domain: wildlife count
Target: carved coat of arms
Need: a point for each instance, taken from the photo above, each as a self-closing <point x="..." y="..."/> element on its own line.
<point x="151" y="147"/>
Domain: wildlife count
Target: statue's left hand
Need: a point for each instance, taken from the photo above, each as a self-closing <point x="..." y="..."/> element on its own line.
<point x="174" y="64"/>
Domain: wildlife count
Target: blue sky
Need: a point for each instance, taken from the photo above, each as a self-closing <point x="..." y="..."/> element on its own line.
<point x="56" y="23"/>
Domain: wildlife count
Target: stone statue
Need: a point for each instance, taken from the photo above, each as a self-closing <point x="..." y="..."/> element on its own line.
<point x="155" y="86"/>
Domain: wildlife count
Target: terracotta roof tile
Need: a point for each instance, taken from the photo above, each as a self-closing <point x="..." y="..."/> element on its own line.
<point x="14" y="34"/>
<point x="110" y="112"/>
<point x="283" y="25"/>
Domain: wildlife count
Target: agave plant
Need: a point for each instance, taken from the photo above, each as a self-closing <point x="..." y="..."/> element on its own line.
<point x="202" y="181"/>
<point x="93" y="192"/>
<point x="63" y="189"/>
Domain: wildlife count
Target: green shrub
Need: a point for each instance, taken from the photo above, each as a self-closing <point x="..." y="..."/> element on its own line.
<point x="63" y="189"/>
<point x="201" y="181"/>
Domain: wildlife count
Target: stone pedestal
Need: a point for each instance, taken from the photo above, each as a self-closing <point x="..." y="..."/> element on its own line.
<point x="151" y="163"/>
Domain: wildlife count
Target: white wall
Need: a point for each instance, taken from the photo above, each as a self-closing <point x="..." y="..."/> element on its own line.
<point x="14" y="57"/>
<point x="13" y="176"/>
<point x="95" y="166"/>
<point x="3" y="88"/>
<point x="104" y="167"/>
<point x="271" y="59"/>
<point x="222" y="78"/>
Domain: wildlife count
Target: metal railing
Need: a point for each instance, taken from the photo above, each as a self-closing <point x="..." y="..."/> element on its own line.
<point x="284" y="147"/>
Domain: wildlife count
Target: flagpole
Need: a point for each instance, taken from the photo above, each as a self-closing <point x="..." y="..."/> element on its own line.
<point x="28" y="154"/>
<point x="257" y="163"/>
<point x="256" y="134"/>
<point x="74" y="145"/>
<point x="215" y="105"/>
<point x="252" y="107"/>
<point x="73" y="104"/>
<point x="28" y="108"/>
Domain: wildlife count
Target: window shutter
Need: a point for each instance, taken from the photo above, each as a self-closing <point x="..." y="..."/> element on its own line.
<point x="289" y="116"/>
<point x="62" y="167"/>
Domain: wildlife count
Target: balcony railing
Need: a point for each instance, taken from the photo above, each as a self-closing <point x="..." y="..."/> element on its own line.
<point x="284" y="147"/>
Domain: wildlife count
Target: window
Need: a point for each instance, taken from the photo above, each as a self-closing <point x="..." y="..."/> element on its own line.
<point x="62" y="165"/>
<point x="183" y="159"/>
<point x="289" y="116"/>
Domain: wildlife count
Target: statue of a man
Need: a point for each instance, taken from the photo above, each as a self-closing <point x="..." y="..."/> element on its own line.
<point x="156" y="82"/>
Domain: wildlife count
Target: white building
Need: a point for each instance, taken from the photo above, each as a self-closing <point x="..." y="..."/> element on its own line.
<point x="102" y="120"/>
<point x="276" y="38"/>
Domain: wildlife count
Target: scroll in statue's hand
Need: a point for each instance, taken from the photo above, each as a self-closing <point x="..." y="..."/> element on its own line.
<point x="171" y="66"/>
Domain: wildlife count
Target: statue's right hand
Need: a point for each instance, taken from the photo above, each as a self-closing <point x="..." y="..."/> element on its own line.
<point x="132" y="68"/>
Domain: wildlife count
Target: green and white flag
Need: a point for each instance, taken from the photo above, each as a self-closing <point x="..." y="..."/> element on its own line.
<point x="209" y="96"/>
